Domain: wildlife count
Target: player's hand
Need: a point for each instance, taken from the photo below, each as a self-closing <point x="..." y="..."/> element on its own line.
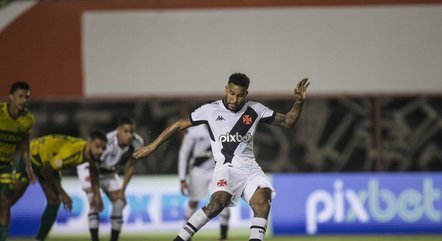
<point x="184" y="188"/>
<point x="67" y="202"/>
<point x="97" y="203"/>
<point x="143" y="151"/>
<point x="31" y="174"/>
<point x="301" y="89"/>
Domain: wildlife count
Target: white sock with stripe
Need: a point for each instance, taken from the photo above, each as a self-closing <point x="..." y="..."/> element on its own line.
<point x="197" y="221"/>
<point x="258" y="229"/>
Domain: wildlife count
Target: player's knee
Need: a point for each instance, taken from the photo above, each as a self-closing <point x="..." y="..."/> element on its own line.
<point x="215" y="206"/>
<point x="224" y="216"/>
<point x="193" y="204"/>
<point x="117" y="214"/>
<point x="93" y="219"/>
<point x="261" y="207"/>
<point x="117" y="207"/>
<point x="90" y="197"/>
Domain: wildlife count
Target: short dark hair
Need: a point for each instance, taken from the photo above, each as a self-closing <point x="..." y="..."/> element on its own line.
<point x="19" y="85"/>
<point x="239" y="79"/>
<point x="126" y="120"/>
<point x="98" y="134"/>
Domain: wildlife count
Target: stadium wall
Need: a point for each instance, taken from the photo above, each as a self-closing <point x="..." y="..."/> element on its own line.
<point x="126" y="48"/>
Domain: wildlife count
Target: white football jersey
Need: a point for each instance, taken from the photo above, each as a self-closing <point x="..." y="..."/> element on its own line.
<point x="231" y="133"/>
<point x="112" y="156"/>
<point x="195" y="151"/>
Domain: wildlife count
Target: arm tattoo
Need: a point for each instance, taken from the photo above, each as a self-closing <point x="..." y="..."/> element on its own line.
<point x="289" y="119"/>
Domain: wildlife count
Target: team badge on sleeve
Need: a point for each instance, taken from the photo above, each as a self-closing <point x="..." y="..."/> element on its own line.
<point x="58" y="163"/>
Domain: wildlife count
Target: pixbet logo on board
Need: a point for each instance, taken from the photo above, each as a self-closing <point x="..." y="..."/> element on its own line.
<point x="373" y="204"/>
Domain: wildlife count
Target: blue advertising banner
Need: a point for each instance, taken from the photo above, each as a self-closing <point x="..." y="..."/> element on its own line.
<point x="359" y="203"/>
<point x="154" y="204"/>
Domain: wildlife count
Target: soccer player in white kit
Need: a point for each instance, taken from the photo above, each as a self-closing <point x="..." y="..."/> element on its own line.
<point x="120" y="146"/>
<point x="195" y="170"/>
<point x="232" y="122"/>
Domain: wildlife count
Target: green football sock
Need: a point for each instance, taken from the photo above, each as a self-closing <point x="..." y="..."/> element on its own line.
<point x="4" y="230"/>
<point x="47" y="220"/>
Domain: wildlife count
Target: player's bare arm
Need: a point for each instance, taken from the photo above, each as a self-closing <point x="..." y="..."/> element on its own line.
<point x="94" y="174"/>
<point x="289" y="119"/>
<point x="24" y="147"/>
<point x="184" y="188"/>
<point x="179" y="125"/>
<point x="48" y="173"/>
<point x="128" y="174"/>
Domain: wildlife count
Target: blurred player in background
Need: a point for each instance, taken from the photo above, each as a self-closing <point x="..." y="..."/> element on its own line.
<point x="120" y="146"/>
<point x="51" y="153"/>
<point x="232" y="123"/>
<point x="15" y="126"/>
<point x="195" y="156"/>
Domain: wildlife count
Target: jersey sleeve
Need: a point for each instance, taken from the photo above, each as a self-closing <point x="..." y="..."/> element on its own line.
<point x="199" y="116"/>
<point x="184" y="153"/>
<point x="68" y="154"/>
<point x="137" y="142"/>
<point x="31" y="122"/>
<point x="56" y="162"/>
<point x="266" y="114"/>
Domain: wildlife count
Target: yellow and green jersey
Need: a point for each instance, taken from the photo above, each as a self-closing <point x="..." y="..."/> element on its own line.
<point x="58" y="150"/>
<point x="12" y="132"/>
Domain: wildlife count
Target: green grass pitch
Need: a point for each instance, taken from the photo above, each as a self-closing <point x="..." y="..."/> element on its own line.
<point x="244" y="237"/>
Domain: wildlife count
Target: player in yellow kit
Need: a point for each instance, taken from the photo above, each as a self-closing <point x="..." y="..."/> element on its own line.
<point x="51" y="153"/>
<point x="15" y="126"/>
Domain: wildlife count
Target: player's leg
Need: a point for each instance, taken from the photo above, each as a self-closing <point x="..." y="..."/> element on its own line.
<point x="111" y="185"/>
<point x="223" y="189"/>
<point x="5" y="215"/>
<point x="6" y="188"/>
<point x="259" y="193"/>
<point x="93" y="216"/>
<point x="21" y="181"/>
<point x="93" y="219"/>
<point x="218" y="201"/>
<point x="19" y="189"/>
<point x="190" y="209"/>
<point x="199" y="184"/>
<point x="260" y="204"/>
<point x="51" y="210"/>
<point x="224" y="217"/>
<point x="117" y="213"/>
<point x="198" y="188"/>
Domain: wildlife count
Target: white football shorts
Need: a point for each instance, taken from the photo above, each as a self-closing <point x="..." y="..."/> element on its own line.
<point x="199" y="183"/>
<point x="108" y="182"/>
<point x="239" y="182"/>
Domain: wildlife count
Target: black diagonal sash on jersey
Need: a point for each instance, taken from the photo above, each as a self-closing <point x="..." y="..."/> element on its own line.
<point x="195" y="123"/>
<point x="200" y="160"/>
<point x="241" y="128"/>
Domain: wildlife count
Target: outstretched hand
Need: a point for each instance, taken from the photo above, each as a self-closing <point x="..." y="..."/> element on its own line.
<point x="301" y="89"/>
<point x="97" y="203"/>
<point x="184" y="188"/>
<point x="143" y="151"/>
<point x="67" y="202"/>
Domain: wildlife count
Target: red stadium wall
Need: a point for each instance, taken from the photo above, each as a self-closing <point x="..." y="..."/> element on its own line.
<point x="43" y="46"/>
